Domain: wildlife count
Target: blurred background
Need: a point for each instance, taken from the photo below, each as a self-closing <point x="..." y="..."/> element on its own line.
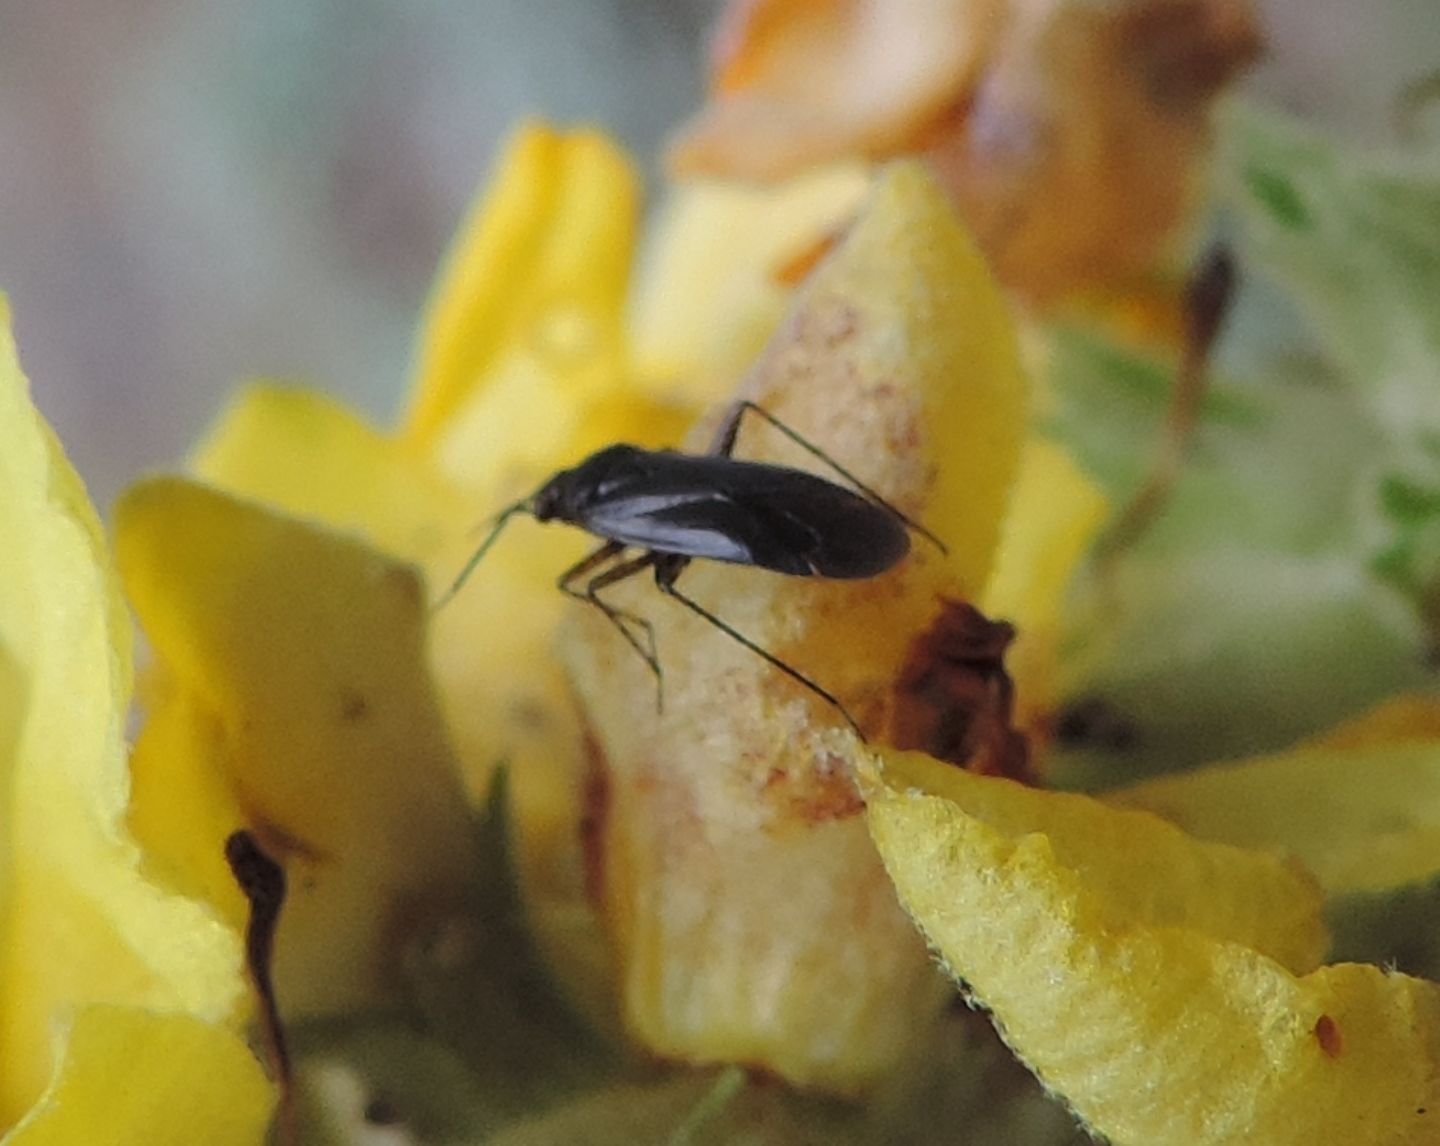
<point x="195" y="194"/>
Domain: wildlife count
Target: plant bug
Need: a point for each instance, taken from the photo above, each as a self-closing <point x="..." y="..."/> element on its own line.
<point x="675" y="507"/>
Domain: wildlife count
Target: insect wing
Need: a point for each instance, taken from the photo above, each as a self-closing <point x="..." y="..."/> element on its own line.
<point x="693" y="523"/>
<point x="753" y="514"/>
<point x="838" y="532"/>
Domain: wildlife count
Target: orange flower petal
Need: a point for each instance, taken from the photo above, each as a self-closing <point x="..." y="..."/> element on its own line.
<point x="797" y="82"/>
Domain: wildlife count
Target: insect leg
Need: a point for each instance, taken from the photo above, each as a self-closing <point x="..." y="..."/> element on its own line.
<point x="668" y="568"/>
<point x="621" y="619"/>
<point x="724" y="446"/>
<point x="500" y="522"/>
<point x="617" y="617"/>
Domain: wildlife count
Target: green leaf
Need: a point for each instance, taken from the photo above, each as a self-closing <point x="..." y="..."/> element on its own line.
<point x="1354" y="238"/>
<point x="1295" y="576"/>
<point x="488" y="995"/>
<point x="1227" y="652"/>
<point x="962" y="1085"/>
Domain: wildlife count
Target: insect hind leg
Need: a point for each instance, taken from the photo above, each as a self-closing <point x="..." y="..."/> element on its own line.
<point x="620" y="618"/>
<point x="668" y="568"/>
<point x="724" y="446"/>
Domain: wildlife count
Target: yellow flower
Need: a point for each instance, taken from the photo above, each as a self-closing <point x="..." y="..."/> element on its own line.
<point x="525" y="366"/>
<point x="768" y="886"/>
<point x="521" y="368"/>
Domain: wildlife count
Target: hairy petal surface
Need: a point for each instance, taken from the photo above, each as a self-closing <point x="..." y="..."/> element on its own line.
<point x="1165" y="988"/>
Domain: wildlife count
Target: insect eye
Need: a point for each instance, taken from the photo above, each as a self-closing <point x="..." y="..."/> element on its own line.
<point x="544" y="505"/>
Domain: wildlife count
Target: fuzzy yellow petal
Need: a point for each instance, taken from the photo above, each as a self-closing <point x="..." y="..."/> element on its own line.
<point x="299" y="656"/>
<point x="1361" y="818"/>
<point x="1153" y="981"/>
<point x="1137" y="869"/>
<point x="136" y="1078"/>
<point x="710" y="289"/>
<point x="78" y="922"/>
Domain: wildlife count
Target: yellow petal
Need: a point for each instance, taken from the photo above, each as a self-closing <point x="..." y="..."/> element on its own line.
<point x="299" y="656"/>
<point x="309" y="455"/>
<point x="80" y="924"/>
<point x="1361" y="818"/>
<point x="490" y="648"/>
<point x="542" y="264"/>
<point x="1150" y="980"/>
<point x="709" y="291"/>
<point x="519" y="374"/>
<point x="147" y="1079"/>
<point x="1400" y="719"/>
<point x="1055" y="513"/>
<point x="1137" y="870"/>
<point x="906" y="306"/>
<point x="505" y="697"/>
<point x="545" y="365"/>
<point x="183" y="803"/>
<point x="751" y="916"/>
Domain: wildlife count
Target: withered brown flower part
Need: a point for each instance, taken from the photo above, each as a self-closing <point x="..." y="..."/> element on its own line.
<point x="262" y="881"/>
<point x="1071" y="135"/>
<point x="954" y="699"/>
<point x="800" y="82"/>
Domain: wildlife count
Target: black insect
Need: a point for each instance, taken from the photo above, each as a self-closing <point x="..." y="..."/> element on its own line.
<point x="674" y="507"/>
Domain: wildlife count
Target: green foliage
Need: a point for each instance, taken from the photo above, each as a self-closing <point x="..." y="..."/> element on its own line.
<point x="1295" y="577"/>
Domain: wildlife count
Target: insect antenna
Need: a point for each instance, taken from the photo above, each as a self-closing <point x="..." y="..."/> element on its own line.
<point x="726" y="441"/>
<point x="498" y="525"/>
<point x="667" y="586"/>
